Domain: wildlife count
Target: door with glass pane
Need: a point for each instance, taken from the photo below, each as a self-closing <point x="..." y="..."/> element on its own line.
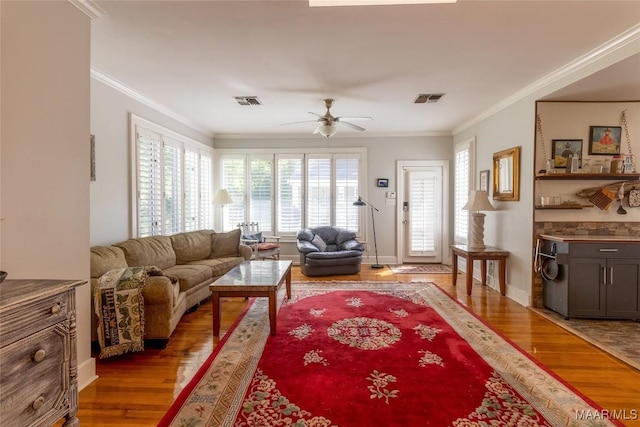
<point x="422" y="215"/>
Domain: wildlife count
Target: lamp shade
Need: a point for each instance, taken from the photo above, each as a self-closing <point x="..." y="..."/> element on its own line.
<point x="327" y="129"/>
<point x="478" y="201"/>
<point x="222" y="197"/>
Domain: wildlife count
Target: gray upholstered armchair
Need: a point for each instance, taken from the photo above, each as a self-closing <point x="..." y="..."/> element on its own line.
<point x="328" y="250"/>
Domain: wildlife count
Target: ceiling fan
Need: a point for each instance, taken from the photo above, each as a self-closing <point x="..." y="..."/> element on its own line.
<point x="328" y="124"/>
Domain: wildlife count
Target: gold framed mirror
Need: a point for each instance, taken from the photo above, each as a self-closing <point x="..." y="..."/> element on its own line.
<point x="506" y="174"/>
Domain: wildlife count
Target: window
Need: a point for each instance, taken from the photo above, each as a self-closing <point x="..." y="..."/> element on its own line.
<point x="463" y="172"/>
<point x="172" y="181"/>
<point x="289" y="191"/>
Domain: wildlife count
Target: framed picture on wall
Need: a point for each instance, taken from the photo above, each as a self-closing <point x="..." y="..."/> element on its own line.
<point x="484" y="180"/>
<point x="383" y="182"/>
<point x="604" y="140"/>
<point x="563" y="148"/>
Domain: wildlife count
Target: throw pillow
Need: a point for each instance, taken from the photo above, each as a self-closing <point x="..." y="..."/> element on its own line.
<point x="225" y="244"/>
<point x="253" y="237"/>
<point x="319" y="243"/>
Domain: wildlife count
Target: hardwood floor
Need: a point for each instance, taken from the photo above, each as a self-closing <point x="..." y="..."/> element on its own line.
<point x="138" y="388"/>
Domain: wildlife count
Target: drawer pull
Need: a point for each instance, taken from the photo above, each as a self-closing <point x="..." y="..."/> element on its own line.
<point x="608" y="250"/>
<point x="55" y="309"/>
<point x="37" y="404"/>
<point x="39" y="355"/>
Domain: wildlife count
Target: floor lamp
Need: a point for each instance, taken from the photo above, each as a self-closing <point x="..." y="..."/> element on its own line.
<point x="362" y="202"/>
<point x="222" y="198"/>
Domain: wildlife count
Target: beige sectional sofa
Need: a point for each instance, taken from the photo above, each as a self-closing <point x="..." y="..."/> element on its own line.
<point x="195" y="259"/>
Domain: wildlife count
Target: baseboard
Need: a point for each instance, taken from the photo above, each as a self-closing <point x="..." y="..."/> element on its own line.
<point x="87" y="373"/>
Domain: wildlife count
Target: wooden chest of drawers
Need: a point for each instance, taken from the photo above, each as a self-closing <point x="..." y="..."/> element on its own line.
<point x="38" y="360"/>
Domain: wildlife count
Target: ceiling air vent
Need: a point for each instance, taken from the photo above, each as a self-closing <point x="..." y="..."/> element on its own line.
<point x="247" y="100"/>
<point x="428" y="98"/>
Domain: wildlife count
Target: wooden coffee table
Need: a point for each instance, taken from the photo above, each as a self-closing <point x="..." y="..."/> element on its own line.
<point x="252" y="279"/>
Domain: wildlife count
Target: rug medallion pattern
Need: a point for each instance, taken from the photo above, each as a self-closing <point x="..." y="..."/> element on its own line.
<point x="353" y="354"/>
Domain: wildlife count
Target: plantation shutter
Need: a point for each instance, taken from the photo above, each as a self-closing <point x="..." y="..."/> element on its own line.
<point x="205" y="208"/>
<point x="347" y="174"/>
<point x="260" y="200"/>
<point x="190" y="190"/>
<point x="172" y="198"/>
<point x="462" y="186"/>
<point x="289" y="197"/>
<point x="318" y="191"/>
<point x="423" y="214"/>
<point x="233" y="180"/>
<point x="149" y="180"/>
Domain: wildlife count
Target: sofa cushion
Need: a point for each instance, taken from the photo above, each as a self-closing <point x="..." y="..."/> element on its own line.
<point x="220" y="266"/>
<point x="189" y="275"/>
<point x="154" y="250"/>
<point x="191" y="246"/>
<point x="225" y="244"/>
<point x="106" y="258"/>
<point x="325" y="259"/>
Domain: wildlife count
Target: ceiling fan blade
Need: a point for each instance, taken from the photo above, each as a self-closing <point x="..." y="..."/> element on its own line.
<point x="351" y="125"/>
<point x="315" y="114"/>
<point x="295" y="123"/>
<point x="352" y="118"/>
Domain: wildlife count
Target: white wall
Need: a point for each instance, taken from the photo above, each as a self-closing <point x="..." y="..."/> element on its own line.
<point x="45" y="150"/>
<point x="382" y="156"/>
<point x="111" y="191"/>
<point x="509" y="227"/>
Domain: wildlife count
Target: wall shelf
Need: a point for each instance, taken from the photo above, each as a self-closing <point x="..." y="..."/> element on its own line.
<point x="563" y="206"/>
<point x="586" y="176"/>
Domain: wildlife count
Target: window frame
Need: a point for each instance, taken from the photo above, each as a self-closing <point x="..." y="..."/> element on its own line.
<point x="304" y="155"/>
<point x="204" y="181"/>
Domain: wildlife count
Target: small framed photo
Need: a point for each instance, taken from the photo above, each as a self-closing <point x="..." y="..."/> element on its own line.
<point x="484" y="180"/>
<point x="383" y="182"/>
<point x="563" y="148"/>
<point x="604" y="140"/>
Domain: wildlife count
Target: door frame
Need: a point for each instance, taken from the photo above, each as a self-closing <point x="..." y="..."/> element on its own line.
<point x="400" y="165"/>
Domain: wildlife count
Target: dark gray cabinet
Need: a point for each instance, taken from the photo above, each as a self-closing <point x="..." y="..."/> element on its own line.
<point x="595" y="280"/>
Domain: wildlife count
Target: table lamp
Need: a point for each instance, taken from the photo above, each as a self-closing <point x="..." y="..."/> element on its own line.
<point x="478" y="201"/>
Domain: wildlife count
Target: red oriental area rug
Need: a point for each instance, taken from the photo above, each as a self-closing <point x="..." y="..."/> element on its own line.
<point x="373" y="354"/>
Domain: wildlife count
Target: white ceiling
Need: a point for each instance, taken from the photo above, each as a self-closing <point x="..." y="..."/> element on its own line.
<point x="193" y="57"/>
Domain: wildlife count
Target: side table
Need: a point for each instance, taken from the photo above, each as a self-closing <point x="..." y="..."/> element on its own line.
<point x="488" y="253"/>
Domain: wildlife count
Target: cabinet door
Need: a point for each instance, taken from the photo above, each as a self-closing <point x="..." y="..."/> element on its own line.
<point x="587" y="291"/>
<point x="622" y="282"/>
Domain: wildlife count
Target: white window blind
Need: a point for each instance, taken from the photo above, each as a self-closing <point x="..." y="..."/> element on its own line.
<point x="234" y="180"/>
<point x="285" y="192"/>
<point x="462" y="185"/>
<point x="171" y="194"/>
<point x="149" y="177"/>
<point x="205" y="209"/>
<point x="191" y="190"/>
<point x="290" y="201"/>
<point x="423" y="188"/>
<point x="261" y="196"/>
<point x="318" y="191"/>
<point x="347" y="188"/>
<point x="172" y="199"/>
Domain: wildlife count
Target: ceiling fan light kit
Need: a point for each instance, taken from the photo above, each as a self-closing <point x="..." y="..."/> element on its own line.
<point x="328" y="124"/>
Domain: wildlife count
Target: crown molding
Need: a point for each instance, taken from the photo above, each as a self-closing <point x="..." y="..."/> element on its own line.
<point x="137" y="96"/>
<point x="89" y="8"/>
<point x="625" y="40"/>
